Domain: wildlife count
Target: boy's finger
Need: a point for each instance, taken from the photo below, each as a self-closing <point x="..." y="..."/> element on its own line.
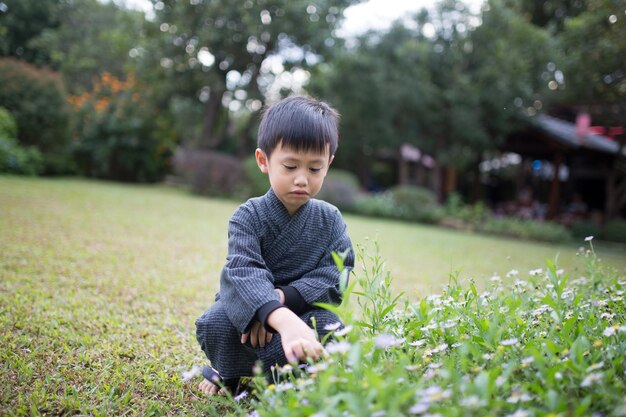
<point x="268" y="337"/>
<point x="244" y="338"/>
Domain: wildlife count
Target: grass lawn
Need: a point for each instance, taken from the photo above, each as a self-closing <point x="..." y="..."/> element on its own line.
<point x="100" y="285"/>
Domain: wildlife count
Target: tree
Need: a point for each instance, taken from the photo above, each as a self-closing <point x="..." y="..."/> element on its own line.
<point x="90" y="39"/>
<point x="219" y="54"/>
<point x="22" y="21"/>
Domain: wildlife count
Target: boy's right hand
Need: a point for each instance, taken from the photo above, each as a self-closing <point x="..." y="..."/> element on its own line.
<point x="298" y="339"/>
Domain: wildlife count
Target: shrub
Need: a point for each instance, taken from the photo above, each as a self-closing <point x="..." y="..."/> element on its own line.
<point x="8" y="127"/>
<point x="116" y="132"/>
<point x="340" y="188"/>
<point x="258" y="182"/>
<point x="582" y="228"/>
<point x="526" y="229"/>
<point x="15" y="159"/>
<point x="211" y="173"/>
<point x="416" y="203"/>
<point x="615" y="230"/>
<point x="36" y="98"/>
<point x="375" y="205"/>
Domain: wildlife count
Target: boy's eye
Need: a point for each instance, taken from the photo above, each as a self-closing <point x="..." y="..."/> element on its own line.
<point x="289" y="167"/>
<point x="315" y="169"/>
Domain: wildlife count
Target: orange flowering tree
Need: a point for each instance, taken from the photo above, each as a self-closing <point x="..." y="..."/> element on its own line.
<point x="116" y="132"/>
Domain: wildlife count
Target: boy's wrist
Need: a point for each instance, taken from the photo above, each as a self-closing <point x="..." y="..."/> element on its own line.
<point x="280" y="319"/>
<point x="263" y="313"/>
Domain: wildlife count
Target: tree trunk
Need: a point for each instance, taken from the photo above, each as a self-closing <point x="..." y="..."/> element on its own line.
<point x="211" y="136"/>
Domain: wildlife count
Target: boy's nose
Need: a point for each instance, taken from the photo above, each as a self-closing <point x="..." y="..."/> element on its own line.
<point x="300" y="180"/>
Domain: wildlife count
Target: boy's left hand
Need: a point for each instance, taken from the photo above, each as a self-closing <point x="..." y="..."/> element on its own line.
<point x="258" y="335"/>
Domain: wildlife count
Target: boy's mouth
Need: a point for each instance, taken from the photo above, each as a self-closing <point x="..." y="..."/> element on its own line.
<point x="300" y="192"/>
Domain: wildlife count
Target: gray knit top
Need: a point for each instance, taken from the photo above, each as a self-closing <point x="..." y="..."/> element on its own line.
<point x="268" y="248"/>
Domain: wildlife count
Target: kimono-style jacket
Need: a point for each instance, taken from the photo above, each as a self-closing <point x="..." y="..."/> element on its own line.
<point x="268" y="248"/>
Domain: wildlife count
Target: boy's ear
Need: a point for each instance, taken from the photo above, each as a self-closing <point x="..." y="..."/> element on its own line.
<point x="261" y="160"/>
<point x="331" y="159"/>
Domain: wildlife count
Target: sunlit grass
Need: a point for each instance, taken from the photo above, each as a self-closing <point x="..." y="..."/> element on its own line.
<point x="100" y="285"/>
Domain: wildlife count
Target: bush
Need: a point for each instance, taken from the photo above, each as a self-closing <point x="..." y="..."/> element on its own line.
<point x="15" y="159"/>
<point x="526" y="229"/>
<point x="375" y="205"/>
<point x="36" y="98"/>
<point x="211" y="173"/>
<point x="340" y="188"/>
<point x="472" y="215"/>
<point x="582" y="228"/>
<point x="615" y="230"/>
<point x="116" y="133"/>
<point x="258" y="182"/>
<point x="416" y="203"/>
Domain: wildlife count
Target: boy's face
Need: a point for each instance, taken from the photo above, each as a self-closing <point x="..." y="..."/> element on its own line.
<point x="295" y="177"/>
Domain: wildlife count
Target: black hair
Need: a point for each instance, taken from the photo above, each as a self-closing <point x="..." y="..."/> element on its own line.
<point x="300" y="124"/>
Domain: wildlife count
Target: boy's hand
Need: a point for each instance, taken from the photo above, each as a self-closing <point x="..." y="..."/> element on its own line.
<point x="298" y="339"/>
<point x="258" y="335"/>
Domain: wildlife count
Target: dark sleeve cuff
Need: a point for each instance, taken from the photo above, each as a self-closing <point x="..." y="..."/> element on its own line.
<point x="294" y="300"/>
<point x="265" y="310"/>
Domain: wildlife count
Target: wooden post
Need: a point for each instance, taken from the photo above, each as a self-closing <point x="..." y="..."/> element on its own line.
<point x="553" y="202"/>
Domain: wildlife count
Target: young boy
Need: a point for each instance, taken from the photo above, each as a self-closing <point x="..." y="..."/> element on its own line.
<point x="279" y="253"/>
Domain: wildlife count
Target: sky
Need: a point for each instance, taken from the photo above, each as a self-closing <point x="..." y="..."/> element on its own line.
<point x="372" y="14"/>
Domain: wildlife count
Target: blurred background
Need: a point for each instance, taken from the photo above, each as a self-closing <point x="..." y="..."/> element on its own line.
<point x="504" y="116"/>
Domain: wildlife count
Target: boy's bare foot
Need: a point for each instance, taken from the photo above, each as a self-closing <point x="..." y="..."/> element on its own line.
<point x="210" y="388"/>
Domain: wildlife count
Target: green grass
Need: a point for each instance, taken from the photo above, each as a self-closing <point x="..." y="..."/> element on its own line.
<point x="100" y="285"/>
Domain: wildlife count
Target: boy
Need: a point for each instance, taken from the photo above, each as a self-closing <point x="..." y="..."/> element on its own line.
<point x="279" y="253"/>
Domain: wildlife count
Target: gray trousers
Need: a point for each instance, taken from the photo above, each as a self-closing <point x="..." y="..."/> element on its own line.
<point x="221" y="342"/>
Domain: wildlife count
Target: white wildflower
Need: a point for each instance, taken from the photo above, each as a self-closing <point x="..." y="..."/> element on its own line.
<point x="253" y="413"/>
<point x="380" y="413"/>
<point x="495" y="278"/>
<point x="286" y="369"/>
<point x="429" y="374"/>
<point x="384" y="341"/>
<point x="591" y="379"/>
<point x="472" y="402"/>
<point x="318" y="367"/>
<point x="332" y="326"/>
<point x="560" y="272"/>
<point x="429" y="327"/>
<point x="500" y="381"/>
<point x="417" y="343"/>
<point x="512" y="273"/>
<point x="344" y="331"/>
<point x="610" y="331"/>
<point x="411" y="368"/>
<point x="535" y="272"/>
<point x="455" y="345"/>
<point x="284" y="386"/>
<point x="488" y="356"/>
<point x="510" y="342"/>
<point x="528" y="360"/>
<point x="338" y="347"/>
<point x="434" y="393"/>
<point x="192" y="373"/>
<point x="558" y="375"/>
<point x="588" y="238"/>
<point x="419" y="408"/>
<point x="241" y="396"/>
<point x="595" y="366"/>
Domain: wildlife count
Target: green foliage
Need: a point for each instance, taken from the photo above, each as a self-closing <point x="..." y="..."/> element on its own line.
<point x="91" y="37"/>
<point x="116" y="133"/>
<point x="210" y="54"/>
<point x="545" y="344"/>
<point x="583" y="228"/>
<point x="36" y="99"/>
<point x="258" y="182"/>
<point x="415" y="203"/>
<point x="341" y="188"/>
<point x="8" y="127"/>
<point x="598" y="36"/>
<point x="22" y="22"/>
<point x="377" y="205"/>
<point x="615" y="230"/>
<point x="526" y="229"/>
<point x="15" y="159"/>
